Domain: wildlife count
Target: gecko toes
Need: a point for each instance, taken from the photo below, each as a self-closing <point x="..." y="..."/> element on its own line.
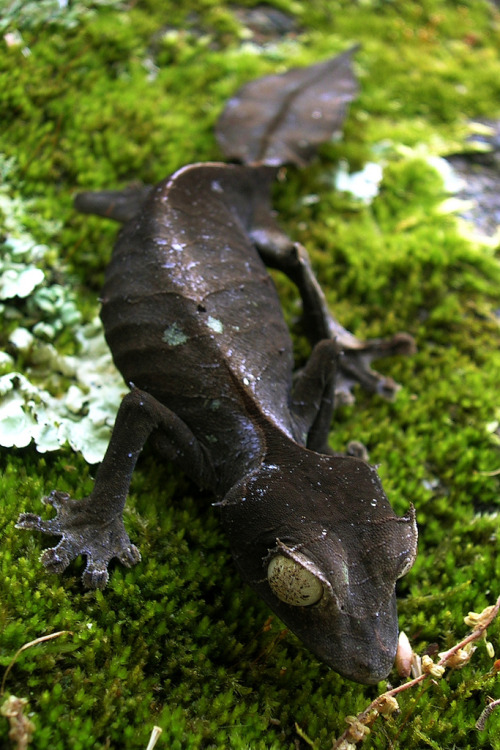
<point x="32" y="521"/>
<point x="129" y="556"/>
<point x="55" y="559"/>
<point x="56" y="499"/>
<point x="28" y="521"/>
<point x="95" y="577"/>
<point x="357" y="449"/>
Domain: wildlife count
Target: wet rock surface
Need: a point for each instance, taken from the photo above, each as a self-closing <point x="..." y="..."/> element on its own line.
<point x="480" y="173"/>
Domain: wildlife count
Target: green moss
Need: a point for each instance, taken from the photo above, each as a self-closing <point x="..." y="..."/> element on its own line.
<point x="104" y="94"/>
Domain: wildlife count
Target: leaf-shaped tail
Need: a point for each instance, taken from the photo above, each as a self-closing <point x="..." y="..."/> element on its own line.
<point x="282" y="119"/>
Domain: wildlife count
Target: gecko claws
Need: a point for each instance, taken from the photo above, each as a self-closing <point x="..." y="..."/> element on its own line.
<point x="355" y="366"/>
<point x="56" y="499"/>
<point x="55" y="559"/>
<point x="28" y="521"/>
<point x="94" y="576"/>
<point x="387" y="388"/>
<point x="32" y="521"/>
<point x="129" y="556"/>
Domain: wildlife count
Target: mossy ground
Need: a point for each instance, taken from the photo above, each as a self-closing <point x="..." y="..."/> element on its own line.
<point x="105" y="93"/>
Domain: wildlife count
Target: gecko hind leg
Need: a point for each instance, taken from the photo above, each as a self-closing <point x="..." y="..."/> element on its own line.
<point x="278" y="251"/>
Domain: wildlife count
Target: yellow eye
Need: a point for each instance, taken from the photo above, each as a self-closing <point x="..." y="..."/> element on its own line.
<point x="292" y="583"/>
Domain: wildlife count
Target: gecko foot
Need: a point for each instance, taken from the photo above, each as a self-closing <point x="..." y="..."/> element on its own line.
<point x="84" y="531"/>
<point x="355" y="366"/>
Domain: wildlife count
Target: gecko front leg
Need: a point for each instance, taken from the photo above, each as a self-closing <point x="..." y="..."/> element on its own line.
<point x="94" y="526"/>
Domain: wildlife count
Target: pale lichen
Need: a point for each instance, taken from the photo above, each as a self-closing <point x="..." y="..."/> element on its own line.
<point x="20" y="14"/>
<point x="55" y="398"/>
<point x="82" y="416"/>
<point x="363" y="185"/>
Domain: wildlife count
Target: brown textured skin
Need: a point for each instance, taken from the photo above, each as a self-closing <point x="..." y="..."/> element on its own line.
<point x="195" y="326"/>
<point x="188" y="272"/>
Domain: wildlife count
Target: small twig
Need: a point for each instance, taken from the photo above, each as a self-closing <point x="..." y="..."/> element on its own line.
<point x="29" y="645"/>
<point x="493" y="473"/>
<point x="475" y="635"/>
<point x="481" y="722"/>
<point x="155" y="735"/>
<point x="304" y="736"/>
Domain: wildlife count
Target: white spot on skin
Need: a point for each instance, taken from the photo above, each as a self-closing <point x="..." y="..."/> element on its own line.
<point x="344" y="573"/>
<point x="215" y="324"/>
<point x="216" y="187"/>
<point x="173" y="335"/>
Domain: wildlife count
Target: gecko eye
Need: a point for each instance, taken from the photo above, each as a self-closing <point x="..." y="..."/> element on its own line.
<point x="292" y="583"/>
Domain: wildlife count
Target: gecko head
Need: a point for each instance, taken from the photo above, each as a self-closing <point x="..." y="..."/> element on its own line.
<point x="319" y="541"/>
